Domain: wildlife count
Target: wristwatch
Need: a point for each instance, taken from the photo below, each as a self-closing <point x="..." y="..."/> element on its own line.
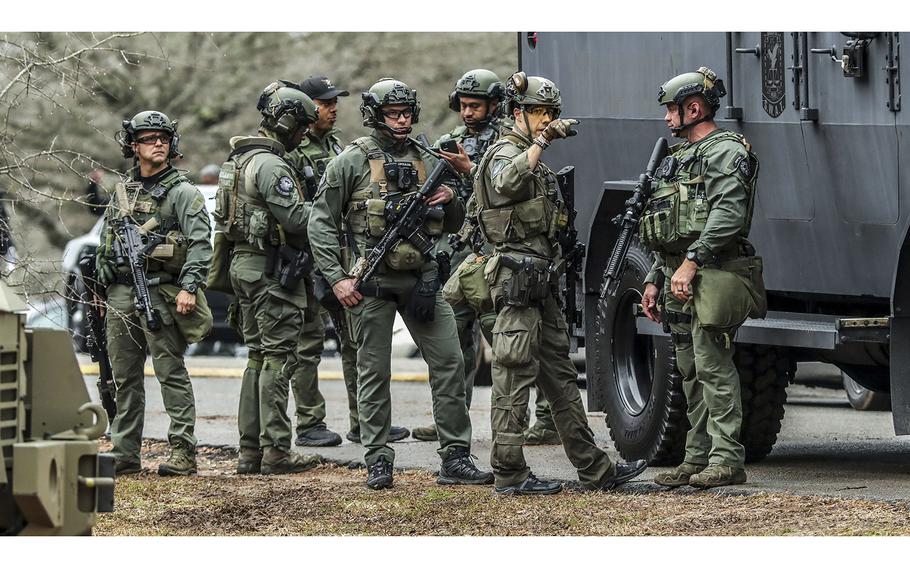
<point x="192" y="288"/>
<point x="693" y="256"/>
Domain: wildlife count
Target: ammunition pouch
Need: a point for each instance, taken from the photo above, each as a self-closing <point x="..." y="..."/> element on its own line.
<point x="528" y="283"/>
<point x="169" y="256"/>
<point x="675" y="215"/>
<point x="522" y="221"/>
<point x="219" y="278"/>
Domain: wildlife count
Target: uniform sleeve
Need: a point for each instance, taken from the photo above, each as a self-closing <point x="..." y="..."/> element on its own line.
<point x="325" y="224"/>
<point x="657" y="271"/>
<point x="728" y="196"/>
<point x="279" y="187"/>
<point x="510" y="174"/>
<point x="196" y="227"/>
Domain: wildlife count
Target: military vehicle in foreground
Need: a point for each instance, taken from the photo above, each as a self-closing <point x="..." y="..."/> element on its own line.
<point x="53" y="481"/>
<point x="823" y="113"/>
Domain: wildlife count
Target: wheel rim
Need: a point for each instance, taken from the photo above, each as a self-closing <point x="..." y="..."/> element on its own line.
<point x="633" y="355"/>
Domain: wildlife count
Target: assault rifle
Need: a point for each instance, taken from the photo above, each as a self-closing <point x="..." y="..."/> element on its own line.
<point x="406" y="220"/>
<point x="628" y="221"/>
<point x="573" y="250"/>
<point x="131" y="248"/>
<point x="96" y="340"/>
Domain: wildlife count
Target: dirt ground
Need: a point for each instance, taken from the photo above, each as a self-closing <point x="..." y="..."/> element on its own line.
<point x="332" y="500"/>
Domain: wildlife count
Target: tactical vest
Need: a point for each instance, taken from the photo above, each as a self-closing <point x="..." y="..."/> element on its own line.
<point x="542" y="215"/>
<point x="366" y="211"/>
<point x="239" y="209"/>
<point x="132" y="200"/>
<point x="678" y="208"/>
<point x="322" y="159"/>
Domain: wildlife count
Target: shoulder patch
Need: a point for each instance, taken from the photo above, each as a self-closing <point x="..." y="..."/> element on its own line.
<point x="744" y="166"/>
<point x="498" y="165"/>
<point x="285" y="186"/>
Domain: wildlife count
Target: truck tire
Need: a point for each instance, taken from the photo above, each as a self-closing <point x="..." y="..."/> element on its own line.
<point x="862" y="398"/>
<point x="764" y="373"/>
<point x="643" y="398"/>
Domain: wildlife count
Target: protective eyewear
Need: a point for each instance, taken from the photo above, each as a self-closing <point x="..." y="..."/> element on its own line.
<point x="153" y="138"/>
<point x="396" y="114"/>
<point x="551" y="111"/>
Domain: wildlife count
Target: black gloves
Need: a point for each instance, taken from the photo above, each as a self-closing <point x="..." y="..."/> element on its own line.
<point x="422" y="305"/>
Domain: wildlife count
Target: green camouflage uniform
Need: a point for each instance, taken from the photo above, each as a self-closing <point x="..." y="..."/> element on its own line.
<point x="180" y="210"/>
<point x="271" y="316"/>
<point x="712" y="193"/>
<point x="350" y="200"/>
<point x="520" y="214"/>
<point x="317" y="153"/>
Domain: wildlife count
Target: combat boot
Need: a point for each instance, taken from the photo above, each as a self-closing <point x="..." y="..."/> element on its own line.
<point x="318" y="435"/>
<point x="538" y="436"/>
<point x="530" y="486"/>
<point x="181" y="462"/>
<point x="459" y="469"/>
<point x="249" y="461"/>
<point x="126" y="467"/>
<point x="379" y="475"/>
<point x="425" y="433"/>
<point x="679" y="475"/>
<point x="622" y="473"/>
<point x="716" y="475"/>
<point x="396" y="434"/>
<point x="276" y="461"/>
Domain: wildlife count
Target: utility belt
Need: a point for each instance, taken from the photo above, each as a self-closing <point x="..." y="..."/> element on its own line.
<point x="737" y="250"/>
<point x="530" y="283"/>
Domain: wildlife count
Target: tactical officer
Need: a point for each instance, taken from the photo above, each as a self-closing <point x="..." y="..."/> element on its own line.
<point x="163" y="201"/>
<point x="358" y="188"/>
<point x="320" y="146"/>
<point x="704" y="261"/>
<point x="261" y="210"/>
<point x="519" y="213"/>
<point x="477" y="98"/>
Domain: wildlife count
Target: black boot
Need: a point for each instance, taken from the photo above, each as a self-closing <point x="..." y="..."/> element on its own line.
<point x="379" y="475"/>
<point x="530" y="486"/>
<point x="459" y="469"/>
<point x="318" y="435"/>
<point x="623" y="473"/>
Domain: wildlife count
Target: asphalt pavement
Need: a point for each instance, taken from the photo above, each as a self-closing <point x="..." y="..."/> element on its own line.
<point x="824" y="448"/>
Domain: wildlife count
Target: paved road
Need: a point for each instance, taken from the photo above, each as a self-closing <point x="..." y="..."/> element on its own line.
<point x="825" y="447"/>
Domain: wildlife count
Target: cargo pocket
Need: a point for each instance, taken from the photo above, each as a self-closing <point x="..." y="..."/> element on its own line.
<point x="516" y="334"/>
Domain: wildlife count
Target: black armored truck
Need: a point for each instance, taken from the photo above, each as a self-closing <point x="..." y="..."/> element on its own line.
<point x="823" y="113"/>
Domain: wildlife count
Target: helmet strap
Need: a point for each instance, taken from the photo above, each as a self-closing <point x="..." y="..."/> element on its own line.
<point x="682" y="124"/>
<point x="524" y="116"/>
